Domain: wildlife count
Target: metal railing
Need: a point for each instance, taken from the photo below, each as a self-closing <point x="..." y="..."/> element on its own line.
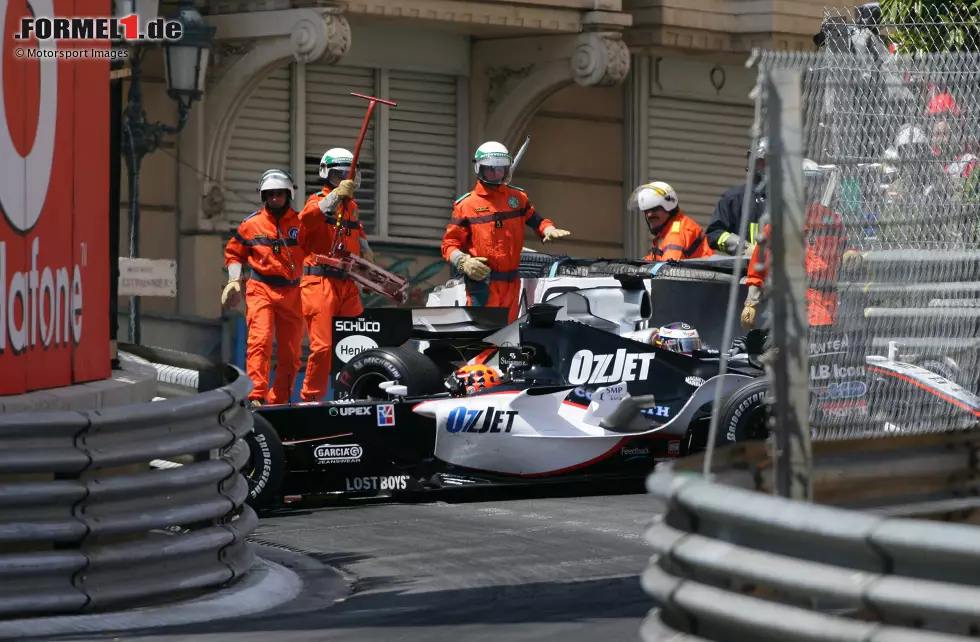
<point x="86" y="524"/>
<point x="732" y="563"/>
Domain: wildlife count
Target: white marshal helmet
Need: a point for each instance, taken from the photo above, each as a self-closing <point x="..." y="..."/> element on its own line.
<point x="650" y="196"/>
<point x="277" y="179"/>
<point x="338" y="160"/>
<point x="492" y="154"/>
<point x="911" y="135"/>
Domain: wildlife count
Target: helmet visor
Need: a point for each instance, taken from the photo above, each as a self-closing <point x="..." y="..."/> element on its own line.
<point x="685" y="345"/>
<point x="337" y="173"/>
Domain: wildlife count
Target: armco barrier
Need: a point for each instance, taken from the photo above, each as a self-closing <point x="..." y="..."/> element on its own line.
<point x="735" y="564"/>
<point x="86" y="525"/>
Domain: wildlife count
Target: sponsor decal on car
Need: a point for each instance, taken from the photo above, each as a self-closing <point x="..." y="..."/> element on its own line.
<point x="826" y="348"/>
<point x="845" y="409"/>
<point x="587" y="367"/>
<point x="338" y="453"/>
<point x="386" y="414"/>
<point x="349" y="347"/>
<point x="835" y="371"/>
<point x="697" y="382"/>
<point x="630" y="453"/>
<point x="396" y="482"/>
<point x="360" y="325"/>
<point x="674" y="447"/>
<point x="479" y="420"/>
<point x="512" y="357"/>
<point x="350" y="411"/>
<point x="842" y="390"/>
<point x="616" y="393"/>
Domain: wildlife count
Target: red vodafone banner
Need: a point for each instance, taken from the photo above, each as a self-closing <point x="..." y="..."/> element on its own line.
<point x="54" y="197"/>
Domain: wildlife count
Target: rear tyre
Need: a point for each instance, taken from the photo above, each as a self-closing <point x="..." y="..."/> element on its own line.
<point x="266" y="464"/>
<point x="744" y="415"/>
<point x="362" y="376"/>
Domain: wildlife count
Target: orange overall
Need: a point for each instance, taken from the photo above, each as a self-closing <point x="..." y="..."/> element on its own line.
<point x="274" y="250"/>
<point x="681" y="238"/>
<point x="326" y="292"/>
<point x="489" y="222"/>
<point x="825" y="245"/>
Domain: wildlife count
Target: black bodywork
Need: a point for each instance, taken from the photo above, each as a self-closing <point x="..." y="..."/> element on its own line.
<point x="355" y="446"/>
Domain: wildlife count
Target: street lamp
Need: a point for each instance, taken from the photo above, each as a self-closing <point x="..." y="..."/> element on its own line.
<point x="186" y="63"/>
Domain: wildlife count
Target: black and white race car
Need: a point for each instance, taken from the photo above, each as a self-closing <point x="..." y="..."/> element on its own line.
<point x="586" y="396"/>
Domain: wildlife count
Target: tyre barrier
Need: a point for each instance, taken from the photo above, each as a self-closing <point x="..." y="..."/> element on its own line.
<point x="87" y="525"/>
<point x="179" y="374"/>
<point x="731" y="563"/>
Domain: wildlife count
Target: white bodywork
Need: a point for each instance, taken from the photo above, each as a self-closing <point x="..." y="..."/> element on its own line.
<point x="534" y="434"/>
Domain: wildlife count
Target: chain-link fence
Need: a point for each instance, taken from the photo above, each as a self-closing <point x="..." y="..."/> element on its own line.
<point x="890" y="217"/>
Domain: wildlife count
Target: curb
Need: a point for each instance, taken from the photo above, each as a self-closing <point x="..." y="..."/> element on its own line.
<point x="266" y="586"/>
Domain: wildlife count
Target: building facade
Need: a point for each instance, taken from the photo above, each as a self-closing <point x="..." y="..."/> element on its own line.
<point x="612" y="93"/>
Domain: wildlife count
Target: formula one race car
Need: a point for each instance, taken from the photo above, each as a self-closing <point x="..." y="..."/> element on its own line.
<point x="586" y="391"/>
<point x="574" y="402"/>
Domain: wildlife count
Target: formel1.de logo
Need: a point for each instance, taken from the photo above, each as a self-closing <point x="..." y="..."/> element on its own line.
<point x="127" y="28"/>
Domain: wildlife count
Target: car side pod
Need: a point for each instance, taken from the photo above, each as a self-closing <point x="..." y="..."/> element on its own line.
<point x="627" y="417"/>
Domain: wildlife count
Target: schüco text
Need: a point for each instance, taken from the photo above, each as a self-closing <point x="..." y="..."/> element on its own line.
<point x="71" y="54"/>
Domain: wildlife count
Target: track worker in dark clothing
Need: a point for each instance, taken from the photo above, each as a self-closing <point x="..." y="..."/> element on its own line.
<point x="271" y="242"/>
<point x="826" y="253"/>
<point x="675" y="236"/>
<point x="723" y="229"/>
<point x="486" y="233"/>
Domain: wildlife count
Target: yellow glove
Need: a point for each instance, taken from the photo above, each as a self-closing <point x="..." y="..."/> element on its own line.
<point x="345" y="189"/>
<point x="474" y="267"/>
<point x="367" y="255"/>
<point x="748" y="316"/>
<point x="749" y="249"/>
<point x="231" y="296"/>
<point x="852" y="260"/>
<point x="552" y="234"/>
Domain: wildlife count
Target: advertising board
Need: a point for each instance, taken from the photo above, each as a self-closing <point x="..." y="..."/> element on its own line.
<point x="54" y="191"/>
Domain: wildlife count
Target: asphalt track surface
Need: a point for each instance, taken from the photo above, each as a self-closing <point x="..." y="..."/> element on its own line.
<point x="559" y="569"/>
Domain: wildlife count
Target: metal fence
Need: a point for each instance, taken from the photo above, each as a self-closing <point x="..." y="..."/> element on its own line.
<point x="86" y="525"/>
<point x="872" y="189"/>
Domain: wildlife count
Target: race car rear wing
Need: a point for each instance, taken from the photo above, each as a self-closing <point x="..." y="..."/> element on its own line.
<point x="462" y="322"/>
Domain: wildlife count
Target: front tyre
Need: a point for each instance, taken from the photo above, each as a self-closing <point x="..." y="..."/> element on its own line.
<point x="266" y="463"/>
<point x="744" y="415"/>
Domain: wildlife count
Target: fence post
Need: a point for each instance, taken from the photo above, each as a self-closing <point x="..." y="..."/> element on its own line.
<point x="789" y="284"/>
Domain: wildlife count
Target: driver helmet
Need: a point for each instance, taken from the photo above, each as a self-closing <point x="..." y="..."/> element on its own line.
<point x="473" y="378"/>
<point x="678" y="337"/>
<point x="335" y="166"/>
<point x="489" y="157"/>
